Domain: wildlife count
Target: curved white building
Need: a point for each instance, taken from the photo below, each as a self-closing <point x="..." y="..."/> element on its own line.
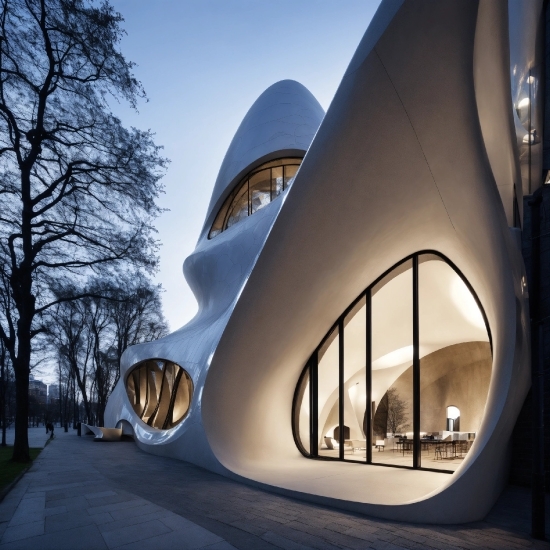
<point x="362" y="335"/>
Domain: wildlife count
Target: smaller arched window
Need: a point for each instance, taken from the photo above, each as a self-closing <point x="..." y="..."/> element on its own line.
<point x="160" y="393"/>
<point x="256" y="190"/>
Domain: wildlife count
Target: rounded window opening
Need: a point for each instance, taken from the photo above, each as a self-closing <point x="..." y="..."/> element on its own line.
<point x="255" y="191"/>
<point x="160" y="393"/>
<point x="402" y="377"/>
<point x="453" y="419"/>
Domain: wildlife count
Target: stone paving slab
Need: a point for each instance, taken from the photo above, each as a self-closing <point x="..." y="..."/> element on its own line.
<point x="65" y="502"/>
<point x="82" y="494"/>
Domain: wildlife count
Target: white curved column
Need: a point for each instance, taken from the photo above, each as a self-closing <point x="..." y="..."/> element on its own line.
<point x="399" y="165"/>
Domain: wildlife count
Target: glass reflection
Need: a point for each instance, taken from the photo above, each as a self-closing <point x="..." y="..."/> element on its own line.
<point x="328" y="401"/>
<point x="355" y="361"/>
<point x="455" y="365"/>
<point x="160" y="393"/>
<point x="369" y="352"/>
<point x="392" y="353"/>
<point x="255" y="192"/>
<point x="302" y="413"/>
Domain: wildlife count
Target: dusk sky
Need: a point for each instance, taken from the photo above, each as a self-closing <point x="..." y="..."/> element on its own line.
<point x="203" y="63"/>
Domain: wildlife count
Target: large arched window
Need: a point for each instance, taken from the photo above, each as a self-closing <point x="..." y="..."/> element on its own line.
<point x="256" y="190"/>
<point x="160" y="393"/>
<point x="378" y="388"/>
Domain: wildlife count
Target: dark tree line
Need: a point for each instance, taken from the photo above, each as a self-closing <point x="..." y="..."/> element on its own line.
<point x="78" y="190"/>
<point x="91" y="333"/>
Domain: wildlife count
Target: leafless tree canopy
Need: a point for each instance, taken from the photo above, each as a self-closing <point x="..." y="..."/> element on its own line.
<point x="398" y="419"/>
<point x="90" y="334"/>
<point x="78" y="190"/>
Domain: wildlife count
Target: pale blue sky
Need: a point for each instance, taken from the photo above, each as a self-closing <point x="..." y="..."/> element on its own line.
<point x="203" y="63"/>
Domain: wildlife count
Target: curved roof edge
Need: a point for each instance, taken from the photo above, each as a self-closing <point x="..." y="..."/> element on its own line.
<point x="382" y="18"/>
<point x="284" y="119"/>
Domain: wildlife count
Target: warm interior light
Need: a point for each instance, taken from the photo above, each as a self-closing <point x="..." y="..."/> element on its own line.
<point x="453" y="412"/>
<point x="394" y="358"/>
<point x="466" y="304"/>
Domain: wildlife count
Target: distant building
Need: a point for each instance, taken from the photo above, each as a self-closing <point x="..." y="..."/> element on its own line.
<point x="53" y="392"/>
<point x="38" y="390"/>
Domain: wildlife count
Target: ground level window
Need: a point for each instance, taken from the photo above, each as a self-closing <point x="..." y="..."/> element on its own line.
<point x="159" y="392"/>
<point x="402" y="377"/>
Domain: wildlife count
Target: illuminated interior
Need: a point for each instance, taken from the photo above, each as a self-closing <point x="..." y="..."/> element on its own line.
<point x="331" y="417"/>
<point x="160" y="393"/>
<point x="255" y="191"/>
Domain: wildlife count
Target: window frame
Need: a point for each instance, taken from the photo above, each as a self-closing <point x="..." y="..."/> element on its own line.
<point x="225" y="209"/>
<point x="312" y="366"/>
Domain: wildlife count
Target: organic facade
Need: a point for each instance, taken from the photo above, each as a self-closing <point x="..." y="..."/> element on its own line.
<point x="370" y="309"/>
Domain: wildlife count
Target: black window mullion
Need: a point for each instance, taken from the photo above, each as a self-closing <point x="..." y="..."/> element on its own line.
<point x="314" y="406"/>
<point x="368" y="410"/>
<point x="248" y="197"/>
<point x="341" y="386"/>
<point x="416" y="369"/>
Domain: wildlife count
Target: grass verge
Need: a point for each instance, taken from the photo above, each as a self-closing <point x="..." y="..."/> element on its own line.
<point x="10" y="470"/>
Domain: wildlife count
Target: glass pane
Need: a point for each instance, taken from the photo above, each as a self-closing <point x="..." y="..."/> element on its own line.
<point x="392" y="380"/>
<point x="160" y="393"/>
<point x="280" y="162"/>
<point x="328" y="397"/>
<point x="239" y="207"/>
<point x="264" y="188"/>
<point x="302" y="410"/>
<point x="355" y="357"/>
<point x="290" y="173"/>
<point x="217" y="226"/>
<point x="277" y="181"/>
<point x="181" y="398"/>
<point x="260" y="190"/>
<point x="455" y="365"/>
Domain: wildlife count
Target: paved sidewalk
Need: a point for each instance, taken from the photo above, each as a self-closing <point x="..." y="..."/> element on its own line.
<point x="86" y="494"/>
<point x="37" y="436"/>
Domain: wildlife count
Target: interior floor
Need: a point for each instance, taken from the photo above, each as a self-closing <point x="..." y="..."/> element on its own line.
<point x="394" y="457"/>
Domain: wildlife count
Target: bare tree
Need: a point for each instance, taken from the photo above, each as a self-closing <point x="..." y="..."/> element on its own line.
<point x="78" y="189"/>
<point x="137" y="315"/>
<point x="70" y="338"/>
<point x="398" y="417"/>
<point x="89" y="335"/>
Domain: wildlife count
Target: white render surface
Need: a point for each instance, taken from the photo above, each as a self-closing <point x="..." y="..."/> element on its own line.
<point x="405" y="160"/>
<point x="282" y="122"/>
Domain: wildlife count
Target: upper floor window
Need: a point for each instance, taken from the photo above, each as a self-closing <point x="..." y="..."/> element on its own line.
<point x="256" y="190"/>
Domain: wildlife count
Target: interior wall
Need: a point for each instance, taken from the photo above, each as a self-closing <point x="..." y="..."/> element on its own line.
<point x="457" y="375"/>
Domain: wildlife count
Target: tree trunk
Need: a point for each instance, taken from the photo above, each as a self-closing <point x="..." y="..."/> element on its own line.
<point x="3" y="392"/>
<point x="21" y="443"/>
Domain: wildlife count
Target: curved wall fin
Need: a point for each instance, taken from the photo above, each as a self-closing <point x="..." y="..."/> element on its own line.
<point x="493" y="89"/>
<point x="281" y="122"/>
<point x="399" y="165"/>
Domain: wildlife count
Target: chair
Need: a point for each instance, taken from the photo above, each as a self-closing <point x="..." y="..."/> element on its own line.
<point x="462" y="448"/>
<point x="440" y="450"/>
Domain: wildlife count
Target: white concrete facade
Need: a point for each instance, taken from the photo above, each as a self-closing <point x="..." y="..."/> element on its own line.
<point x="418" y="151"/>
